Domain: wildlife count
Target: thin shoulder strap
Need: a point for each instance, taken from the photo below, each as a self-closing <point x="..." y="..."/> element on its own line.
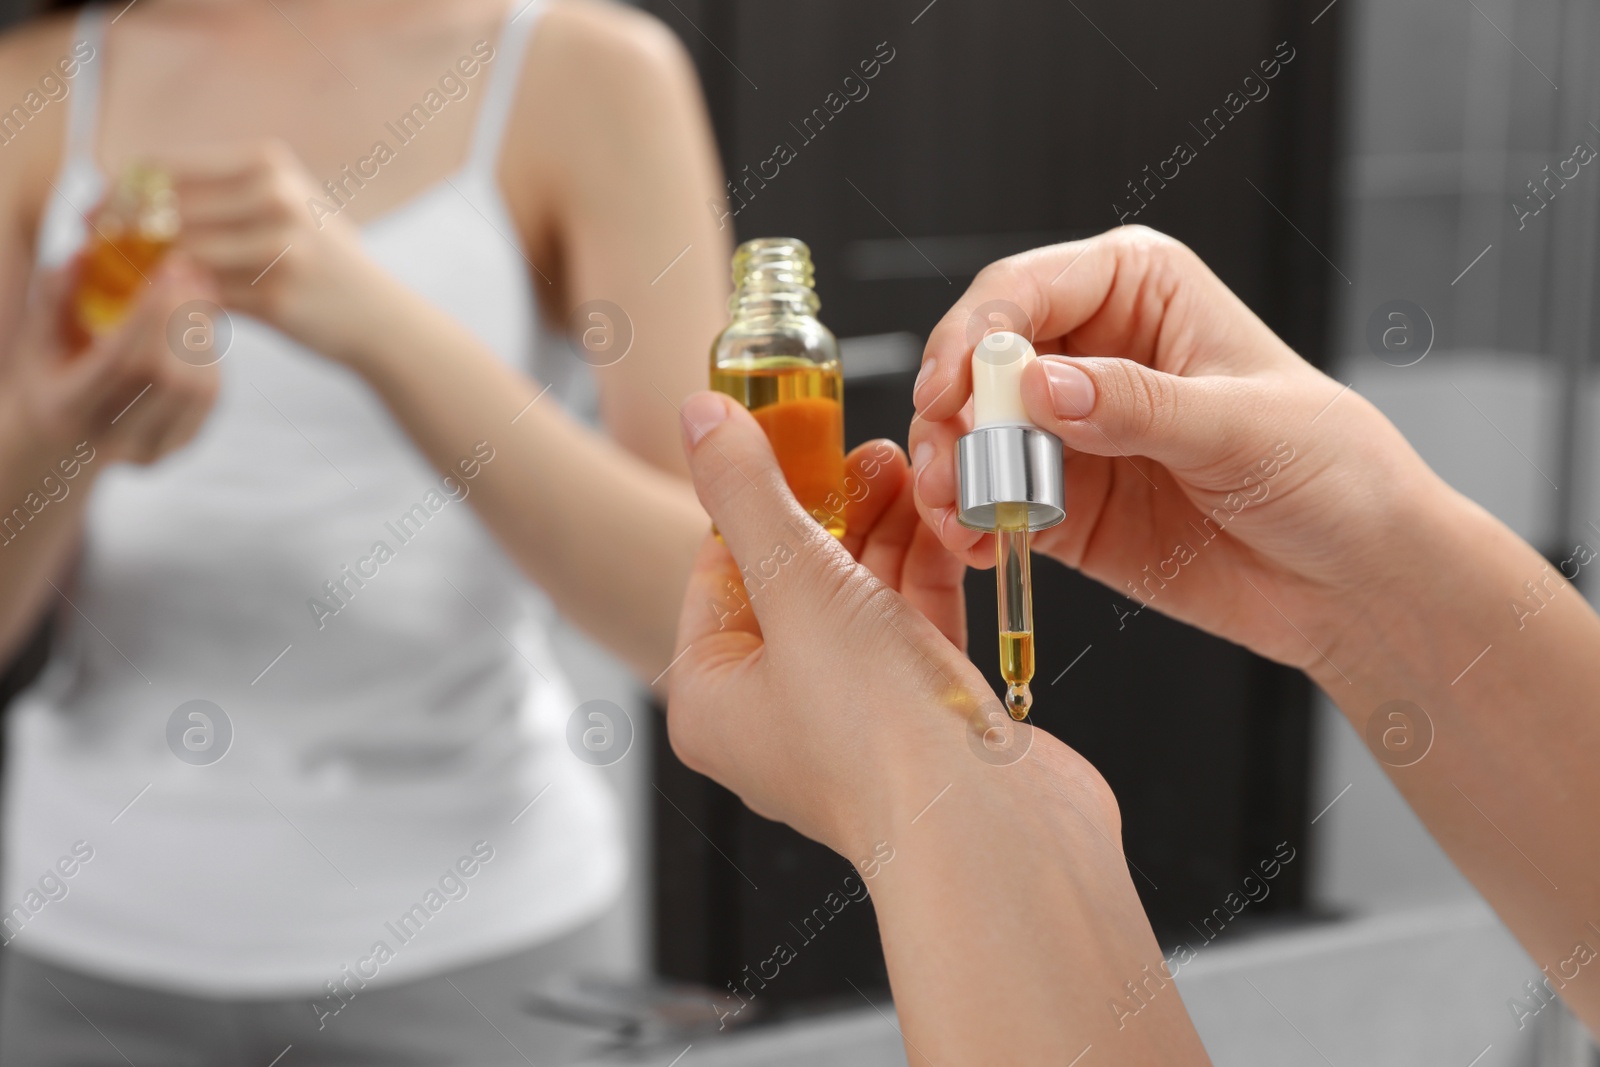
<point x="83" y="107"/>
<point x="504" y="72"/>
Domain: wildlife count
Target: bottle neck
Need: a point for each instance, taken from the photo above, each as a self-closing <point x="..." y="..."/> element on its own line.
<point x="772" y="276"/>
<point x="757" y="302"/>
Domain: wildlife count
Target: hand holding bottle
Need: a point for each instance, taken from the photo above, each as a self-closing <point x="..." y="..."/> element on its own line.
<point x="808" y="663"/>
<point x="835" y="698"/>
<point x="1211" y="472"/>
<point x="126" y="394"/>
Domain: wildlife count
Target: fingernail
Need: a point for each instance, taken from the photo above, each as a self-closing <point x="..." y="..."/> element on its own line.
<point x="1071" y="390"/>
<point x="701" y="414"/>
<point x="920" y="395"/>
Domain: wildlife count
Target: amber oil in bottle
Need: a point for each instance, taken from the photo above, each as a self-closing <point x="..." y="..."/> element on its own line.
<point x="129" y="234"/>
<point x="780" y="362"/>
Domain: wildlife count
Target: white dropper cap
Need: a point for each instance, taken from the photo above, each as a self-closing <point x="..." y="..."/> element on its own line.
<point x="997" y="365"/>
<point x="1006" y="459"/>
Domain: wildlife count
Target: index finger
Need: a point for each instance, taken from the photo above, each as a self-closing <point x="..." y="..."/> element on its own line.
<point x="1053" y="289"/>
<point x="222" y="161"/>
<point x="874" y="474"/>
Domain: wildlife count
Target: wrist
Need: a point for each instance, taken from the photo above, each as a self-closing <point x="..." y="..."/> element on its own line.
<point x="1421" y="601"/>
<point x="26" y="444"/>
<point x="349" y="324"/>
<point x="35" y="465"/>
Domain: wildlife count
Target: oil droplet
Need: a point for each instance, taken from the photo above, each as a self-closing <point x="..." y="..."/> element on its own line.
<point x="1019" y="698"/>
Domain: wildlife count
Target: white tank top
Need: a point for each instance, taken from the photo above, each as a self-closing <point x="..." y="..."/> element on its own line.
<point x="378" y="753"/>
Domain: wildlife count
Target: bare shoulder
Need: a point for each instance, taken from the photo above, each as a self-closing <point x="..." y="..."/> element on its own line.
<point x="39" y="62"/>
<point x="39" y="65"/>
<point x="608" y="99"/>
<point x="612" y="61"/>
<point x="30" y="50"/>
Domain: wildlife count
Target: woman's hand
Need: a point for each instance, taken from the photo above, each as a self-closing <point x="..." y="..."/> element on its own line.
<point x="806" y="677"/>
<point x="68" y="412"/>
<point x="1211" y="473"/>
<point x="127" y="394"/>
<point x="824" y="693"/>
<point x="247" y="215"/>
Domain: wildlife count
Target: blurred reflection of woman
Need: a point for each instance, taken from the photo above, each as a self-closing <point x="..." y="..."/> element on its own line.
<point x="353" y="534"/>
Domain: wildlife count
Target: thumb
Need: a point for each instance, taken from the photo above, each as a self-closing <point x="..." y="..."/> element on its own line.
<point x="1108" y="406"/>
<point x="790" y="565"/>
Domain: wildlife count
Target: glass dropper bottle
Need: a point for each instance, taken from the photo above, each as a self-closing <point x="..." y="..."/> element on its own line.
<point x="777" y="359"/>
<point x="1009" y="477"/>
<point x="132" y="230"/>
